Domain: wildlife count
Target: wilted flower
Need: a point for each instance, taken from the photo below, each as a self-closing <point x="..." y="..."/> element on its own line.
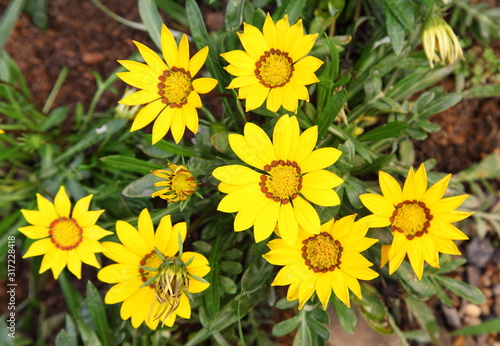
<point x="153" y="276"/>
<point x="438" y="37"/>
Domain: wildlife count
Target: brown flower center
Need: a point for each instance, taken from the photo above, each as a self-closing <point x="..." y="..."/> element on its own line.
<point x="65" y="233"/>
<point x="283" y="181"/>
<point x="411" y="218"/>
<point x="175" y="86"/>
<point x="322" y="253"/>
<point x="274" y="69"/>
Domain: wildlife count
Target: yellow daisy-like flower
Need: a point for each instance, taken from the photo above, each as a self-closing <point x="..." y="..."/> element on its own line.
<point x="168" y="87"/>
<point x="420" y="219"/>
<point x="274" y="65"/>
<point x="2" y="131"/>
<point x="153" y="276"/>
<point x="65" y="238"/>
<point x="330" y="260"/>
<point x="178" y="185"/>
<point x="438" y="37"/>
<point x="291" y="173"/>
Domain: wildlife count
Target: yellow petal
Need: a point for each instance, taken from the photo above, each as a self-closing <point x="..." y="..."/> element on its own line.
<point x="390" y="188"/>
<point x="302" y="45"/>
<point x="59" y="261"/>
<point x="147" y="114"/>
<point x="286" y="137"/>
<point x="307" y="142"/>
<point x="74" y="263"/>
<point x="62" y="203"/>
<point x="306" y="289"/>
<point x="119" y="253"/>
<point x="34" y="232"/>
<point x="258" y="141"/>
<point x="244" y="151"/>
<point x="324" y="288"/>
<point x="255" y="96"/>
<point x="194" y="100"/>
<point x="140" y="97"/>
<point x="376" y="221"/>
<point x="196" y="286"/>
<point x="447" y="205"/>
<point x="39" y="247"/>
<point x="161" y="125"/>
<point x="151" y="58"/>
<point x="204" y="85"/>
<point x="283" y="256"/>
<point x="139" y="81"/>
<point x="243" y="81"/>
<point x="236" y="175"/>
<point x="46" y="207"/>
<point x="325" y="197"/>
<point x="183" y="55"/>
<point x="377" y="204"/>
<point x="287" y="224"/>
<point x="37" y="218"/>
<point x="168" y="47"/>
<point x="146" y="228"/>
<point x="340" y="287"/>
<point x="117" y="272"/>
<point x="319" y="159"/>
<point x="197" y="61"/>
<point x="184" y="309"/>
<point x="240" y="59"/>
<point x="449" y="231"/>
<point x="434" y="194"/>
<point x="306" y="215"/>
<point x="266" y="221"/>
<point x="238" y="199"/>
<point x="321" y="180"/>
<point x="247" y="214"/>
<point x="274" y="100"/>
<point x="177" y="127"/>
<point x="290" y="99"/>
<point x="416" y="257"/>
<point x="253" y="41"/>
<point x="122" y="290"/>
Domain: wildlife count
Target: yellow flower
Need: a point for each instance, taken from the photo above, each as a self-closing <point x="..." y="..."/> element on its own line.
<point x="168" y="87"/>
<point x="329" y="260"/>
<point x="2" y="131"/>
<point x="419" y="218"/>
<point x="438" y="36"/>
<point x="153" y="276"/>
<point x="289" y="171"/>
<point x="178" y="185"/>
<point x="64" y="240"/>
<point x="274" y="65"/>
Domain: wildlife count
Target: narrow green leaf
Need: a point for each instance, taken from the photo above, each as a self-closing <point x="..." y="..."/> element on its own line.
<point x="425" y="318"/>
<point x="402" y="11"/>
<point x="303" y="336"/>
<point x="462" y="289"/>
<point x="293" y="9"/>
<point x="234" y="14"/>
<point x="258" y="271"/>
<point x="422" y="289"/>
<point x="441" y="294"/>
<point x="390" y="130"/>
<point x="72" y="297"/>
<point x="452" y="265"/>
<point x="129" y="164"/>
<point x="9" y="19"/>
<point x="171" y="147"/>
<point x="488" y="327"/>
<point x="285" y="327"/>
<point x="174" y="10"/>
<point x="55" y="118"/>
<point x="319" y="329"/>
<point x="488" y="90"/>
<point x="231" y="267"/>
<point x="71" y="331"/>
<point x="62" y="339"/>
<point x="228" y="285"/>
<point x="212" y="293"/>
<point x="395" y="29"/>
<point x="347" y="316"/>
<point x="151" y="19"/>
<point x="142" y="187"/>
<point x="333" y="106"/>
<point x="373" y="309"/>
<point x="89" y="337"/>
<point x="5" y="339"/>
<point x="439" y="104"/>
<point x="284" y="303"/>
<point x="98" y="314"/>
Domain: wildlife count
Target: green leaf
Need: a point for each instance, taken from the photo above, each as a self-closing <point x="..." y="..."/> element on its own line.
<point x="98" y="314"/>
<point x="303" y="336"/>
<point x="152" y="19"/>
<point x="228" y="285"/>
<point x="258" y="271"/>
<point x="72" y="297"/>
<point x="425" y="318"/>
<point x="234" y="14"/>
<point x="142" y="187"/>
<point x="285" y="327"/>
<point x="402" y="11"/>
<point x="423" y="289"/>
<point x="462" y="289"/>
<point x="488" y="327"/>
<point x="174" y="10"/>
<point x="231" y="267"/>
<point x="353" y="188"/>
<point x="233" y="254"/>
<point x="71" y="331"/>
<point x="212" y="293"/>
<point x="333" y="106"/>
<point x="488" y="168"/>
<point x="451" y="265"/>
<point x="441" y="294"/>
<point x="62" y="339"/>
<point x="395" y="29"/>
<point x="9" y="19"/>
<point x="373" y="309"/>
<point x="129" y="164"/>
<point x="293" y="8"/>
<point x="284" y="303"/>
<point x="5" y="339"/>
<point x="488" y="90"/>
<point x="389" y="130"/>
<point x="89" y="337"/>
<point x="347" y="316"/>
<point x="319" y="329"/>
<point x="439" y="104"/>
<point x="171" y="147"/>
<point x="55" y="118"/>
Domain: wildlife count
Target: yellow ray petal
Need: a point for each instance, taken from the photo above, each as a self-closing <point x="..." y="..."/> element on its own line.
<point x="253" y="41"/>
<point x="74" y="264"/>
<point x="244" y="151"/>
<point x="39" y="247"/>
<point x="122" y="290"/>
<point x="146" y="228"/>
<point x="236" y="175"/>
<point x="59" y="261"/>
<point x="196" y="286"/>
<point x="321" y="180"/>
<point x="239" y="59"/>
<point x="37" y="218"/>
<point x="194" y="101"/>
<point x="255" y="96"/>
<point x="258" y="141"/>
<point x="119" y="253"/>
<point x="306" y="289"/>
<point x="286" y="137"/>
<point x="324" y="288"/>
<point x="274" y="100"/>
<point x="237" y="200"/>
<point x="306" y="215"/>
<point x="266" y="221"/>
<point x="204" y="85"/>
<point x="162" y="124"/>
<point x="197" y="61"/>
<point x="319" y="159"/>
<point x="436" y="191"/>
<point x="390" y="188"/>
<point x="34" y="232"/>
<point x="447" y="205"/>
<point x="283" y="256"/>
<point x="140" y="97"/>
<point x="377" y="204"/>
<point x="289" y="228"/>
<point x="147" y="114"/>
<point x="184" y="309"/>
<point x="62" y="203"/>
<point x="325" y="197"/>
<point x="46" y="207"/>
<point x="340" y="287"/>
<point x="183" y="53"/>
<point x="247" y="215"/>
<point x="307" y="142"/>
<point x="139" y="81"/>
<point x="117" y="272"/>
<point x="151" y="58"/>
<point x="168" y="47"/>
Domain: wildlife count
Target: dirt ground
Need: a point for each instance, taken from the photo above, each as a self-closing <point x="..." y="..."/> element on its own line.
<point x="84" y="39"/>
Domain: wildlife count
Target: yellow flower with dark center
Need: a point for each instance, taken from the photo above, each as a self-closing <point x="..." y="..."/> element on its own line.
<point x="420" y="219"/>
<point x="330" y="260"/>
<point x="290" y="175"/>
<point x="178" y="185"/>
<point x="153" y="277"/>
<point x="438" y="37"/>
<point x="65" y="238"/>
<point x="274" y="65"/>
<point x="168" y="87"/>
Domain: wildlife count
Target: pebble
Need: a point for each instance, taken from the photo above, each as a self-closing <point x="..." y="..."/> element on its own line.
<point x="479" y="252"/>
<point x="485" y="308"/>
<point x="496" y="306"/>
<point x="473" y="275"/>
<point x="472" y="310"/>
<point x="452" y="317"/>
<point x="472" y="320"/>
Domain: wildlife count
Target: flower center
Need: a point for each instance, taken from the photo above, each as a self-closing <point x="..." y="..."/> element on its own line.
<point x="411" y="218"/>
<point x="274" y="68"/>
<point x="150" y="260"/>
<point x="282" y="182"/>
<point x="65" y="233"/>
<point x="183" y="183"/>
<point x="322" y="253"/>
<point x="175" y="86"/>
